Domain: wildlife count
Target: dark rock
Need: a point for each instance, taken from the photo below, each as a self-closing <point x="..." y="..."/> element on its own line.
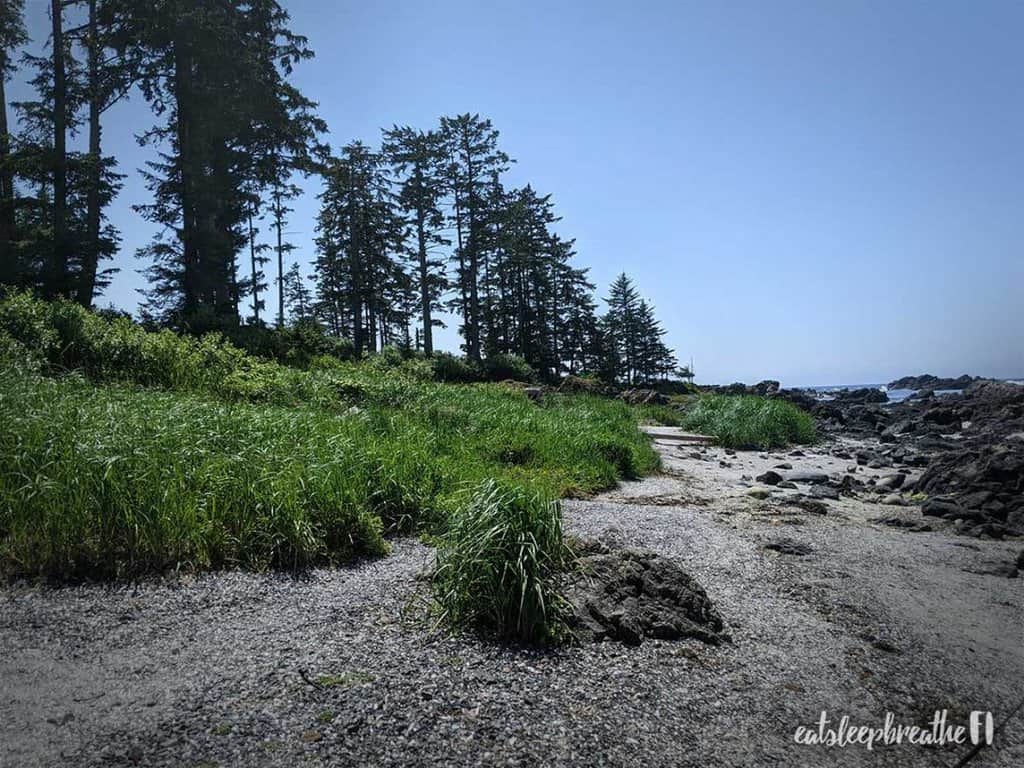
<point x="814" y="506"/>
<point x="942" y="508"/>
<point x="534" y="393"/>
<point x="789" y="547"/>
<point x="900" y="522"/>
<point x="784" y="465"/>
<point x="862" y="395"/>
<point x="825" y="492"/>
<point x="802" y="476"/>
<point x="769" y="478"/>
<point x="629" y="595"/>
<point x="928" y="381"/>
<point x="787" y="484"/>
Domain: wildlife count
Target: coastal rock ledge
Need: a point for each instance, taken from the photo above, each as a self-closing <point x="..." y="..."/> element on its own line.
<point x="629" y="595"/>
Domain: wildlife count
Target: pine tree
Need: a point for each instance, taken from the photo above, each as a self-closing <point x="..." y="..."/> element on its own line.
<point x="360" y="278"/>
<point x="622" y="323"/>
<point x="218" y="71"/>
<point x="417" y="160"/>
<point x="12" y="36"/>
<point x="474" y="160"/>
<point x="298" y="296"/>
<point x="89" y="184"/>
<point x="256" y="284"/>
<point x="108" y="79"/>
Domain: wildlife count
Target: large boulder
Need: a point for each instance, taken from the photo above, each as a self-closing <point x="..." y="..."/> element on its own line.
<point x="629" y="595"/>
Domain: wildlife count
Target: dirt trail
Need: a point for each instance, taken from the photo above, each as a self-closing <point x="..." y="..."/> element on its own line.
<point x="214" y="670"/>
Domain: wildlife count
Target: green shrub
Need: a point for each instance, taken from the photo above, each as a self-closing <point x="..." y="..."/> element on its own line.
<point x="497" y="564"/>
<point x="454" y="370"/>
<point x="747" y="421"/>
<point x="502" y="367"/>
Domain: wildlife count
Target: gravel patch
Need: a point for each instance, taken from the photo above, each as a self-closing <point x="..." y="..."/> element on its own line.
<point x="340" y="667"/>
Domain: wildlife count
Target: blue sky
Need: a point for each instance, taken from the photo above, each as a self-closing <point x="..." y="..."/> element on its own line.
<point x="814" y="192"/>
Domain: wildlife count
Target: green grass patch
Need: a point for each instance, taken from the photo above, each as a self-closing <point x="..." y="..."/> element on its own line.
<point x="163" y="452"/>
<point x="747" y="421"/>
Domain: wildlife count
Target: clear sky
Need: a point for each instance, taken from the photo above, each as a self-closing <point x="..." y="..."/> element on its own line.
<point x="820" y="193"/>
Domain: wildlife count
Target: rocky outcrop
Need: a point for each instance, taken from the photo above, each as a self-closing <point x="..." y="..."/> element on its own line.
<point x="971" y="445"/>
<point x="630" y="595"/>
<point x="862" y="395"/>
<point x="927" y="381"/>
<point x="766" y="388"/>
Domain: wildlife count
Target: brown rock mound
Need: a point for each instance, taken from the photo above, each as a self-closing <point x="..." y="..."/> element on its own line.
<point x="629" y="595"/>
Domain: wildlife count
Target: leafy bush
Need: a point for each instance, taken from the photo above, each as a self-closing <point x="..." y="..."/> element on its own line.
<point x="501" y="367"/>
<point x="454" y="370"/>
<point x="497" y="563"/>
<point x="748" y="421"/>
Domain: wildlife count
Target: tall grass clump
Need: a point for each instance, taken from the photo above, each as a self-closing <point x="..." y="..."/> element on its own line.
<point x="748" y="421"/>
<point x="115" y="481"/>
<point x="497" y="564"/>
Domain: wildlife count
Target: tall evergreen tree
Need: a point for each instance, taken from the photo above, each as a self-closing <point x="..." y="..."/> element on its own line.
<point x="218" y="71"/>
<point x="417" y="159"/>
<point x="474" y="160"/>
<point x="12" y="36"/>
<point x="89" y="183"/>
<point x="622" y="323"/>
<point x="359" y="235"/>
<point x="298" y="296"/>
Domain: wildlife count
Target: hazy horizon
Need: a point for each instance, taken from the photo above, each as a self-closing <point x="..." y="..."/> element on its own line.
<point x="810" y="194"/>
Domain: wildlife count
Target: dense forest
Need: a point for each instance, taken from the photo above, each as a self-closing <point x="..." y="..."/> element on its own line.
<point x="418" y="229"/>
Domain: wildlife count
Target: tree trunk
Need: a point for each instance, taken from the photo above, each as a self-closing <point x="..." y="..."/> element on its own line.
<point x="460" y="248"/>
<point x="428" y="323"/>
<point x="255" y="274"/>
<point x="91" y="253"/>
<point x="57" y="284"/>
<point x="278" y="215"/>
<point x="473" y="325"/>
<point x="8" y="271"/>
<point x="183" y="99"/>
